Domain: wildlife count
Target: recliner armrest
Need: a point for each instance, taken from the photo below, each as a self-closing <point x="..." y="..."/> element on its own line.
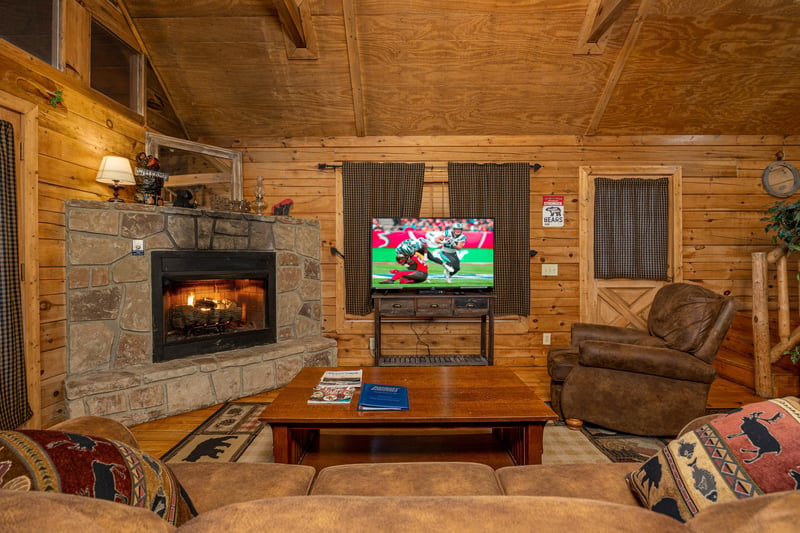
<point x="639" y="359"/>
<point x="582" y="331"/>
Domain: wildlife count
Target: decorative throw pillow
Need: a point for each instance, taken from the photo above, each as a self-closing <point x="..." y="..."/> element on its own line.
<point x="90" y="466"/>
<point x="747" y="452"/>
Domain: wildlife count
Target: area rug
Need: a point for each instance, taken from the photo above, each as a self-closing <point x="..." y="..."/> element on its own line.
<point x="622" y="447"/>
<point x="626" y="448"/>
<point x="232" y="434"/>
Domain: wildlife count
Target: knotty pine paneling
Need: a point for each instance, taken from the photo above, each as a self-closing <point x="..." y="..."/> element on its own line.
<point x="723" y="202"/>
<point x="72" y="139"/>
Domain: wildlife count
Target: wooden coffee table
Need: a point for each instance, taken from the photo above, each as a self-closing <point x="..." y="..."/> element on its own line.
<point x="439" y="398"/>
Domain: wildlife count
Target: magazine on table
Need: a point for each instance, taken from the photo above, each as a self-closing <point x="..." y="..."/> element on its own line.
<point x="341" y="378"/>
<point x="377" y="397"/>
<point x="336" y="387"/>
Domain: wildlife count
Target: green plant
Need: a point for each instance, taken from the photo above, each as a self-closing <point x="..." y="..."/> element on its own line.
<point x="784" y="219"/>
<point x="56" y="99"/>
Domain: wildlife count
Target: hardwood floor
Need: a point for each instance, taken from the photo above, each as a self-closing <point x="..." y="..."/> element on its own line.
<point x="158" y="436"/>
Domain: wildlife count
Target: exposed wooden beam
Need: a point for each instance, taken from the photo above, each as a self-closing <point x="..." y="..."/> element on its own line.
<point x="619" y="66"/>
<point x="600" y="16"/>
<point x="354" y="56"/>
<point x="289" y="13"/>
<point x="607" y="14"/>
<point x="299" y="35"/>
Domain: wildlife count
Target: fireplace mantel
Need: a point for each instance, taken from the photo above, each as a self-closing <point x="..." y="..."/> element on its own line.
<point x="109" y="309"/>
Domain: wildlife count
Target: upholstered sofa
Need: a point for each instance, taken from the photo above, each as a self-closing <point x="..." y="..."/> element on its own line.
<point x="445" y="496"/>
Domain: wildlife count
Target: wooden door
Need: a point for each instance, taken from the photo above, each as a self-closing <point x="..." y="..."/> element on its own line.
<point x="624" y="302"/>
<point x="24" y="117"/>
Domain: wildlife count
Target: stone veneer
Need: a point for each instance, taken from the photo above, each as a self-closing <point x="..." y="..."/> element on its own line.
<point x="109" y="311"/>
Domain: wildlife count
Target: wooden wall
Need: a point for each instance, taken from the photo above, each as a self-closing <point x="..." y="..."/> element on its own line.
<point x="723" y="201"/>
<point x="73" y="136"/>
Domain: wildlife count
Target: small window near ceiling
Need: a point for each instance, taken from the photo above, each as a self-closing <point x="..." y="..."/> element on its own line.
<point x="114" y="67"/>
<point x="30" y="25"/>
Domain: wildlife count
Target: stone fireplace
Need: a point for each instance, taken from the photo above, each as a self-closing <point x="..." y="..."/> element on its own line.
<point x="263" y="271"/>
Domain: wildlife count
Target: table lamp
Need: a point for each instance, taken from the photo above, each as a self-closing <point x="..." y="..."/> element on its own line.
<point x="116" y="171"/>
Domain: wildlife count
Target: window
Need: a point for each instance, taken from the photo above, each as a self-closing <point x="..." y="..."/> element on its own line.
<point x="30" y="25"/>
<point x="114" y="67"/>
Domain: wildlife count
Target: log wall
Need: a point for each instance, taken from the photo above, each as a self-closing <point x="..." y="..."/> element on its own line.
<point x="723" y="202"/>
<point x="73" y="136"/>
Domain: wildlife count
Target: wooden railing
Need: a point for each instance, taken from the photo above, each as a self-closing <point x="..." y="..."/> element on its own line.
<point x="764" y="355"/>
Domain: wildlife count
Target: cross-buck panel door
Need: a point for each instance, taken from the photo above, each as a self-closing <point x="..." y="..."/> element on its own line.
<point x="625" y="299"/>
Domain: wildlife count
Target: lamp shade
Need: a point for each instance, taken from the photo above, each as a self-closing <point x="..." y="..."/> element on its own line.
<point x="115" y="169"/>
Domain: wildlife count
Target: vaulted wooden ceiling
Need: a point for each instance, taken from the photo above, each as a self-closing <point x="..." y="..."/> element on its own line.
<point x="317" y="68"/>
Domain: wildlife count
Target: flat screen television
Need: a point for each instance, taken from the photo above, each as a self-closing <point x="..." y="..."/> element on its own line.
<point x="432" y="254"/>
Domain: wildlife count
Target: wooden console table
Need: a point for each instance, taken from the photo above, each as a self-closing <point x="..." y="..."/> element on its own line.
<point x="431" y="307"/>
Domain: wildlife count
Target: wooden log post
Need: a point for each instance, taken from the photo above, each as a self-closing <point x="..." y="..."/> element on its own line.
<point x="762" y="367"/>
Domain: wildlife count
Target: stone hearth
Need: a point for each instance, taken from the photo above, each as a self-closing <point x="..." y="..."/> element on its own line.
<point x="109" y="310"/>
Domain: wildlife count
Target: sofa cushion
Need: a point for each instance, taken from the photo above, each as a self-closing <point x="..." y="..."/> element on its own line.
<point x="407" y="479"/>
<point x="682" y="315"/>
<point x="214" y="485"/>
<point x="71" y="463"/>
<point x="594" y="481"/>
<point x="461" y="514"/>
<point x="745" y="453"/>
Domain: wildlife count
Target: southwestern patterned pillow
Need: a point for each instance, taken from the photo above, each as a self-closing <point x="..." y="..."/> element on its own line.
<point x="747" y="452"/>
<point x="89" y="466"/>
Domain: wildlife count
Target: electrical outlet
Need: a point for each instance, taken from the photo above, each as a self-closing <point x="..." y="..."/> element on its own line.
<point x="545" y="339"/>
<point x="372" y="343"/>
<point x="549" y="269"/>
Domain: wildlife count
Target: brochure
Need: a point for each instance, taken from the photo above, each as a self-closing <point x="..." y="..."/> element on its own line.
<point x="377" y="397"/>
<point x="341" y="378"/>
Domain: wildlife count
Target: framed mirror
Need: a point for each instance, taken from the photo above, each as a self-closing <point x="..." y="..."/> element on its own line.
<point x="213" y="175"/>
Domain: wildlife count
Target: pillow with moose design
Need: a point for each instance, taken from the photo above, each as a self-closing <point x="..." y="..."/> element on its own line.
<point x="747" y="452"/>
<point x="72" y="463"/>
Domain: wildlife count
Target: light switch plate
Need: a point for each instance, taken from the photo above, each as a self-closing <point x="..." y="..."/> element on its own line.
<point x="545" y="338"/>
<point x="137" y="248"/>
<point x="549" y="269"/>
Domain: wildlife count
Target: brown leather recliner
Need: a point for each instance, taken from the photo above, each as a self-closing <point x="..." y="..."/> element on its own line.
<point x="644" y="382"/>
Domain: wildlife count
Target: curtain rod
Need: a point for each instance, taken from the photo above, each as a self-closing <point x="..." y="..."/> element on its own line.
<point x="323" y="166"/>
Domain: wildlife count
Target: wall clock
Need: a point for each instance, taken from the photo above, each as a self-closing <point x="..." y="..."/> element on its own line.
<point x="781" y="178"/>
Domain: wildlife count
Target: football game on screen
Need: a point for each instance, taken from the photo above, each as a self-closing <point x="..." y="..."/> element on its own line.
<point x="429" y="253"/>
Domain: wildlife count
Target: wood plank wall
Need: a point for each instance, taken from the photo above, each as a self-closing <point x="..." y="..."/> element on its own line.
<point x="73" y="136"/>
<point x="723" y="201"/>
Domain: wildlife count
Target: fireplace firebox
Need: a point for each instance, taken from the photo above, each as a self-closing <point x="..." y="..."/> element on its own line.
<point x="210" y="301"/>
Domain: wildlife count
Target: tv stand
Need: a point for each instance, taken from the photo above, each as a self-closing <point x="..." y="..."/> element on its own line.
<point x="409" y="307"/>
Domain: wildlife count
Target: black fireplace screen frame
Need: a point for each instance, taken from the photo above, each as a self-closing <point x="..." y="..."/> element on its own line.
<point x="176" y="266"/>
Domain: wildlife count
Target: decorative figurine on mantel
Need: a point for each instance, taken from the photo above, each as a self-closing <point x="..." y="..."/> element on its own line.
<point x="148" y="190"/>
<point x="258" y="205"/>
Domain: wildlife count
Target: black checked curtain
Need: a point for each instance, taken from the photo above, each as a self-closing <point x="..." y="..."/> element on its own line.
<point x="502" y="192"/>
<point x="371" y="190"/>
<point x="14" y="408"/>
<point x="631" y="228"/>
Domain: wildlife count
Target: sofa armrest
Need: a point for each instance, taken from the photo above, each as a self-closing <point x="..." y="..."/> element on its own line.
<point x="98" y="426"/>
<point x="582" y="331"/>
<point x="645" y="360"/>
